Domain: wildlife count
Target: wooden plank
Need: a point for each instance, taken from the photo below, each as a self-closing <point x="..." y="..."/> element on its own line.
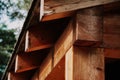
<point x="112" y="53"/>
<point x="41" y="9"/>
<point x="112" y="24"/>
<point x="111" y="41"/>
<point x="26" y="40"/>
<point x="50" y="15"/>
<point x="88" y="63"/>
<point x="46" y="66"/>
<point x="20" y="76"/>
<point x="89" y="24"/>
<point x="111" y="37"/>
<point x="84" y="31"/>
<point x="64" y="43"/>
<point x="43" y="40"/>
<point x="69" y="64"/>
<point x="58" y="72"/>
<point x="58" y="15"/>
<point x="9" y="76"/>
<point x="25" y="62"/>
<point x="62" y="6"/>
<point x="45" y="34"/>
<point x="41" y="47"/>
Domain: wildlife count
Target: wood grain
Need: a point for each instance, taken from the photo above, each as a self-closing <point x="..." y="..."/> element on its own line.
<point x="25" y="62"/>
<point x="89" y="24"/>
<point x="58" y="72"/>
<point x="62" y="6"/>
<point x="112" y="53"/>
<point x="88" y="63"/>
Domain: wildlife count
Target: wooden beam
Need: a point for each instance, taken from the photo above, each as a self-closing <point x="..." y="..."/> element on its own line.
<point x="88" y="63"/>
<point x="111" y="23"/>
<point x="44" y="34"/>
<point x="64" y="43"/>
<point x="58" y="72"/>
<point x="69" y="64"/>
<point x="20" y="76"/>
<point x="49" y="15"/>
<point x="26" y="40"/>
<point x="78" y="33"/>
<point x="41" y="9"/>
<point x="42" y="41"/>
<point x="89" y="24"/>
<point x="41" y="47"/>
<point x="112" y="53"/>
<point x="58" y="15"/>
<point x="46" y="66"/>
<point x="25" y="62"/>
<point x="70" y="5"/>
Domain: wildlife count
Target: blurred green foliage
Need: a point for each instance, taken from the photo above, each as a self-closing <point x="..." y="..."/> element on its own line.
<point x="15" y="10"/>
<point x="7" y="41"/>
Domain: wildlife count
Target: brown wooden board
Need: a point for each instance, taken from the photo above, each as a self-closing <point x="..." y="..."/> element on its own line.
<point x="44" y="34"/>
<point x="88" y="63"/>
<point x="112" y="53"/>
<point x="78" y="33"/>
<point x="30" y="61"/>
<point x="46" y="67"/>
<point x="54" y="6"/>
<point x="69" y="64"/>
<point x="89" y="24"/>
<point x="111" y="37"/>
<point x="58" y="16"/>
<point x="58" y="72"/>
<point x="20" y="76"/>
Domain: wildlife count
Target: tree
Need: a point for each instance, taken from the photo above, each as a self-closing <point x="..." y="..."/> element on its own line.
<point x="7" y="40"/>
<point x="15" y="10"/>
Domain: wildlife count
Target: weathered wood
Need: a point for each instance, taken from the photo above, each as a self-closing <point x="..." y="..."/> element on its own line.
<point x="58" y="72"/>
<point x="25" y="62"/>
<point x="50" y="15"/>
<point x="58" y="15"/>
<point x="112" y="53"/>
<point x="88" y="63"/>
<point x="89" y="23"/>
<point x="63" y="6"/>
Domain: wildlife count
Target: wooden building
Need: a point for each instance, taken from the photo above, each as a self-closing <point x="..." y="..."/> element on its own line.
<point x="68" y="40"/>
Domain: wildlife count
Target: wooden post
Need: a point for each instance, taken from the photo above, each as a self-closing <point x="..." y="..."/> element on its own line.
<point x="84" y="63"/>
<point x="89" y="24"/>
